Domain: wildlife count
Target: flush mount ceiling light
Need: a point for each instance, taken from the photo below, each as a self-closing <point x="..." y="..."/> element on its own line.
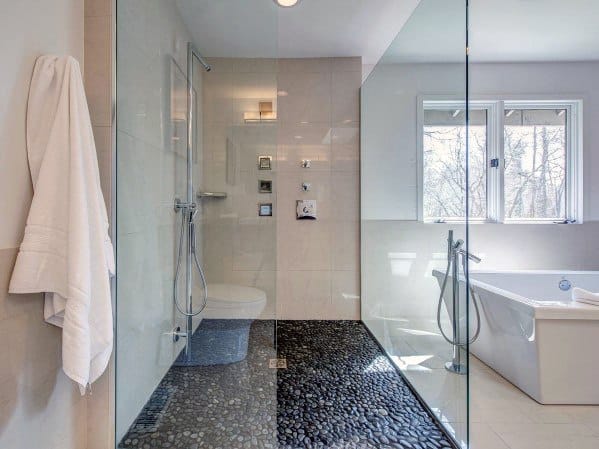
<point x="286" y="3"/>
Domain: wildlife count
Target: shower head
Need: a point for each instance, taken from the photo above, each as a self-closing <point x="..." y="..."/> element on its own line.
<point x="192" y="51"/>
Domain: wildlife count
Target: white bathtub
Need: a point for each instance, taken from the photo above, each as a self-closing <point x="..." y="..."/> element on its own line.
<point x="534" y="335"/>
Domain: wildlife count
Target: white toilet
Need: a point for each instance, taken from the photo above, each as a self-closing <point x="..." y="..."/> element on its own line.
<point x="229" y="301"/>
<point x="223" y="335"/>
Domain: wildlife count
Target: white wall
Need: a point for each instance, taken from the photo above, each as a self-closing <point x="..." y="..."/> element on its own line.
<point x="399" y="252"/>
<point x="39" y="406"/>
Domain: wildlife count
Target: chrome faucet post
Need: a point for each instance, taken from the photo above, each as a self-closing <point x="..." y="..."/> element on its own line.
<point x="454" y="253"/>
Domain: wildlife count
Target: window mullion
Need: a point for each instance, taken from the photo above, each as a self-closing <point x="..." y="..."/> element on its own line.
<point x="500" y="186"/>
<point x="495" y="151"/>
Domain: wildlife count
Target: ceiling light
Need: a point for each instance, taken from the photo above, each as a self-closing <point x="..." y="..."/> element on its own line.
<point x="286" y="3"/>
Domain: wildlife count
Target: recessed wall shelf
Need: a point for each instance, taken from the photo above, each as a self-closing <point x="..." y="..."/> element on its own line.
<point x="212" y="194"/>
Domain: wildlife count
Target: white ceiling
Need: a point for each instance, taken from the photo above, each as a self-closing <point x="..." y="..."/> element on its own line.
<point x="500" y="31"/>
<point x="535" y="30"/>
<point x="314" y="28"/>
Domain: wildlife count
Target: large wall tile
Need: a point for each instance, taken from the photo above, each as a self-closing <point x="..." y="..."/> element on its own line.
<point x="307" y="98"/>
<point x="297" y="142"/>
<point x="345" y="97"/>
<point x="303" y="295"/>
<point x="345" y="245"/>
<point x="345" y="295"/>
<point x="304" y="245"/>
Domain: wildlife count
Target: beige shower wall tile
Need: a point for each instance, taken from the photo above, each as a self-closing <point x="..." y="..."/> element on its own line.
<point x="297" y="142"/>
<point x="303" y="295"/>
<point x="316" y="261"/>
<point x="345" y="147"/>
<point x="218" y="96"/>
<point x="345" y="295"/>
<point x="304" y="245"/>
<point x="98" y="68"/>
<point x="345" y="245"/>
<point x="346" y="195"/>
<point x="345" y="104"/>
<point x="307" y="99"/>
<point x="255" y="65"/>
<point x="222" y="65"/>
<point x="348" y="64"/>
<point x="249" y="90"/>
<point x="305" y="65"/>
<point x="254" y="246"/>
<point x="289" y="190"/>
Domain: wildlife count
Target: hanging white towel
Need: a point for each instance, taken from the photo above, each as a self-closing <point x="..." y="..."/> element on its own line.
<point x="66" y="251"/>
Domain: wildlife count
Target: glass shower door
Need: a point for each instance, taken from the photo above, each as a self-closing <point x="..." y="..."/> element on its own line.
<point x="417" y="201"/>
<point x="188" y="379"/>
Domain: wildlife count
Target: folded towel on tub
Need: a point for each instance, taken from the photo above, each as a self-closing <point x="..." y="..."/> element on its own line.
<point x="585" y="296"/>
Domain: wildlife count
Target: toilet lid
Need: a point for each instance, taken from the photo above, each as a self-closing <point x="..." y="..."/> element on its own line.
<point x="234" y="294"/>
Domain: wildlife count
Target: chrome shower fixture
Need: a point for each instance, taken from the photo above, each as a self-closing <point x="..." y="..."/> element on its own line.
<point x="456" y="254"/>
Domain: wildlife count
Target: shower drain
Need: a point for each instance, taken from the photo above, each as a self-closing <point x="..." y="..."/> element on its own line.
<point x="153" y="412"/>
<point x="277" y="363"/>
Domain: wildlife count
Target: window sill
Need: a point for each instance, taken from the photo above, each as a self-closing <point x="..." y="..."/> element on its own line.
<point x="507" y="222"/>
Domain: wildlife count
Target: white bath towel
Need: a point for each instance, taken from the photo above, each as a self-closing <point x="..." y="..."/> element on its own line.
<point x="585" y="296"/>
<point x="66" y="250"/>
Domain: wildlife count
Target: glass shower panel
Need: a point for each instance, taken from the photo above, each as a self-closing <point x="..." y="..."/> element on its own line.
<point x="171" y="370"/>
<point x="414" y="214"/>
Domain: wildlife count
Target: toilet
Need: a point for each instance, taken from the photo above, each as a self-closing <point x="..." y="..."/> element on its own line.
<point x="237" y="302"/>
<point x="223" y="335"/>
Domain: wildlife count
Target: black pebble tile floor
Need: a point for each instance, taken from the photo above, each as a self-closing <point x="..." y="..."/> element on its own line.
<point x="339" y="391"/>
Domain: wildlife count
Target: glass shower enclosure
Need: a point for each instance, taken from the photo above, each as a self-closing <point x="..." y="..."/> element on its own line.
<point x="416" y="207"/>
<point x="192" y="222"/>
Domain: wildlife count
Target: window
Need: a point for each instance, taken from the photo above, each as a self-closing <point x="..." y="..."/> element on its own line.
<point x="525" y="161"/>
<point x="444" y="164"/>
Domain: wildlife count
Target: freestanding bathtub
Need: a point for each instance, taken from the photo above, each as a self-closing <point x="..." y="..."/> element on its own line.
<point x="534" y="335"/>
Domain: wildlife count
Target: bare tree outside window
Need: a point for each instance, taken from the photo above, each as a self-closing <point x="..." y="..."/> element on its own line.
<point x="444" y="165"/>
<point x="535" y="163"/>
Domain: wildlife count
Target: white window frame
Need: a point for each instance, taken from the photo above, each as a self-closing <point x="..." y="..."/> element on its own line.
<point x="495" y="150"/>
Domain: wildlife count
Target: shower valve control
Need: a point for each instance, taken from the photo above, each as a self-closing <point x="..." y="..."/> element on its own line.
<point x="306" y="209"/>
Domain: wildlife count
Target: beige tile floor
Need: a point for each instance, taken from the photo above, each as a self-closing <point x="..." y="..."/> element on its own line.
<point x="501" y="415"/>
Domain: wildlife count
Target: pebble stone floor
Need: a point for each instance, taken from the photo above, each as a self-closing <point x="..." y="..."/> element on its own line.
<point x="339" y="391"/>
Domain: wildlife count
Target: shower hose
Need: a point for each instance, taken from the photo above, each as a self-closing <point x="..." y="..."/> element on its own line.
<point x="192" y="237"/>
<point x="444" y="284"/>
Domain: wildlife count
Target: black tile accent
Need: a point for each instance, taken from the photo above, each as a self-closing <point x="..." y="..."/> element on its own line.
<point x="341" y="391"/>
<point x="338" y="391"/>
